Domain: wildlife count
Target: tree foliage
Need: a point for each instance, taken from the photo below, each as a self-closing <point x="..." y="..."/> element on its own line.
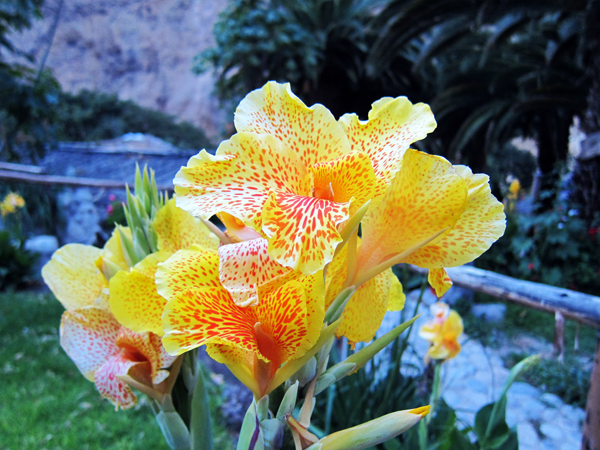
<point x="27" y="98"/>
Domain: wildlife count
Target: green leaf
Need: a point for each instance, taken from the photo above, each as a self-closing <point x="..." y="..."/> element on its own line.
<point x="492" y="431"/>
<point x="200" y="423"/>
<point x="250" y="429"/>
<point x="335" y="310"/>
<point x="174" y="430"/>
<point x="288" y="403"/>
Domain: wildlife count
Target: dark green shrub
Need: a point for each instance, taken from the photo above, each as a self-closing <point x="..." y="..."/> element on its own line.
<point x="555" y="247"/>
<point x="16" y="263"/>
<point x="93" y="116"/>
<point x="566" y="379"/>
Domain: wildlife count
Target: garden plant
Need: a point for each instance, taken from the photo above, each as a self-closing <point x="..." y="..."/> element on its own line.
<point x="315" y="213"/>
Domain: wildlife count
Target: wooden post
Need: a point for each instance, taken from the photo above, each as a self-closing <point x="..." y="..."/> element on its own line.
<point x="590" y="439"/>
<point x="559" y="336"/>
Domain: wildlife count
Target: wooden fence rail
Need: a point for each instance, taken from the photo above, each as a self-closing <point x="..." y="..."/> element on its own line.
<point x="68" y="181"/>
<point x="573" y="305"/>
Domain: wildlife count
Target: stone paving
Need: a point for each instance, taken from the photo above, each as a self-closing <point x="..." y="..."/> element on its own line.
<point x="476" y="376"/>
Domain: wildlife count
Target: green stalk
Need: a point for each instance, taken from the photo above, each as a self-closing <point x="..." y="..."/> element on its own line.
<point x="200" y="423"/>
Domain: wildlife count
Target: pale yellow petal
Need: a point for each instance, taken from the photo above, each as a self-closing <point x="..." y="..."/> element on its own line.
<point x="481" y="224"/>
<point x="312" y="133"/>
<point x="426" y="197"/>
<point x="238" y="179"/>
<point x="73" y="277"/>
<point x="393" y="125"/>
<point x="177" y="229"/>
<point x="134" y="299"/>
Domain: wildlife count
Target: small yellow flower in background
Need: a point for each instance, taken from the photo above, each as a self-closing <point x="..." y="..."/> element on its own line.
<point x="514" y="187"/>
<point x="11" y="203"/>
<point x="513" y="194"/>
<point x="443" y="332"/>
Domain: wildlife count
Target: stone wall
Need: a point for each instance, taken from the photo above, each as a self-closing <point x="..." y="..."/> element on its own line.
<point x="141" y="50"/>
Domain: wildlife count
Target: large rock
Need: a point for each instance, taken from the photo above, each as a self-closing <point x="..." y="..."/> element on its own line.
<point x="141" y="50"/>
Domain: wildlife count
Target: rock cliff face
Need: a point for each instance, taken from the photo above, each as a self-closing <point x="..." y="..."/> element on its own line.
<point x="141" y="50"/>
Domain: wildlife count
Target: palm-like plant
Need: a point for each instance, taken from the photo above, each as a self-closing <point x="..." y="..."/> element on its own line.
<point x="496" y="70"/>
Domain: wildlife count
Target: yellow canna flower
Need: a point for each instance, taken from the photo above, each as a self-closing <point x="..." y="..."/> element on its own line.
<point x="294" y="174"/>
<point x="11" y="203"/>
<point x="252" y="341"/>
<point x="442" y="332"/>
<point x="434" y="215"/>
<point x="100" y="346"/>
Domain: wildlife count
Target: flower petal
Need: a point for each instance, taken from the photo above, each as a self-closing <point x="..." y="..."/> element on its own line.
<point x="110" y="386"/>
<point x="453" y="326"/>
<point x="302" y="231"/>
<point x="293" y="315"/>
<point x="145" y="346"/>
<point x="187" y="269"/>
<point x="426" y="196"/>
<point x="482" y="223"/>
<point x="367" y="307"/>
<point x="393" y="125"/>
<point x="440" y="281"/>
<point x="206" y="315"/>
<point x="364" y="312"/>
<point x="176" y="230"/>
<point x="348" y="178"/>
<point x="134" y="299"/>
<point x="73" y="277"/>
<point x="88" y="336"/>
<point x="238" y="179"/>
<point x="246" y="266"/>
<point x="312" y="133"/>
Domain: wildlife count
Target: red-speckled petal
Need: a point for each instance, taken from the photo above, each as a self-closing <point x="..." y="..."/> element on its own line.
<point x="163" y="359"/>
<point x="134" y="299"/>
<point x="246" y="266"/>
<point x="193" y="318"/>
<point x="110" y="386"/>
<point x="313" y="133"/>
<point x="145" y="346"/>
<point x="176" y="230"/>
<point x="88" y="336"/>
<point x="302" y="231"/>
<point x="393" y="125"/>
<point x="73" y="277"/>
<point x="440" y="281"/>
<point x="350" y="177"/>
<point x="426" y="196"/>
<point x="482" y="223"/>
<point x="188" y="269"/>
<point x="238" y="179"/>
<point x="284" y="315"/>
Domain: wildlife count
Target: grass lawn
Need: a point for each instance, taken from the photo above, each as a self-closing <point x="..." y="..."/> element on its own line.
<point x="45" y="403"/>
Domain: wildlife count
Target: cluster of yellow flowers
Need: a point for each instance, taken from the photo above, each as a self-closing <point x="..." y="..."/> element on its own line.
<point x="268" y="294"/>
<point x="11" y="203"/>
